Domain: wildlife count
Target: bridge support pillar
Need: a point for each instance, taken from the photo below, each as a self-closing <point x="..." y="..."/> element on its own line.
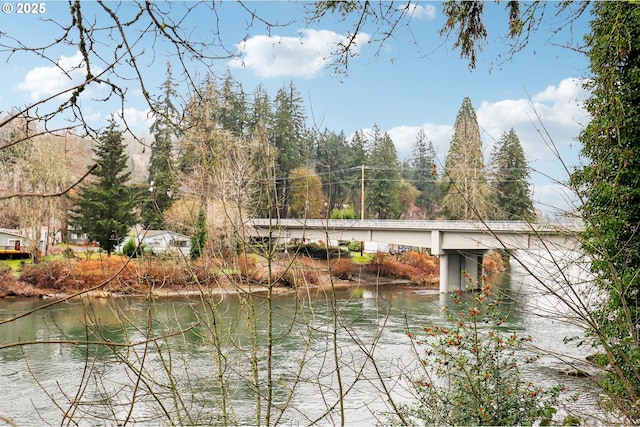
<point x="460" y="270"/>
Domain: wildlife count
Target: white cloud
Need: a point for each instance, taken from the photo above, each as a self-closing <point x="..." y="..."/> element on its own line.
<point x="559" y="107"/>
<point x="549" y="142"/>
<point x="554" y="116"/>
<point x="417" y="11"/>
<point x="303" y="56"/>
<point x="138" y="120"/>
<point x="46" y="81"/>
<point x="405" y="136"/>
<point x="553" y="199"/>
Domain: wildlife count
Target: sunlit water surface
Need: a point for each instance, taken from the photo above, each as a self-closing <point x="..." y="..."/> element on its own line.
<point x="93" y="385"/>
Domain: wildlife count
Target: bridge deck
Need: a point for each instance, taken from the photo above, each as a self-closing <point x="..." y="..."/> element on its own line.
<point x="438" y="236"/>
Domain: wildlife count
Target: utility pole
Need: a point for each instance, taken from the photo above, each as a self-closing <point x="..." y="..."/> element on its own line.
<point x="362" y="193"/>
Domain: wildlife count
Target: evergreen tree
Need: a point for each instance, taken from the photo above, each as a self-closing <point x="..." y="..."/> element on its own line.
<point x="609" y="186"/>
<point x="289" y="129"/>
<point x="261" y="114"/>
<point x="332" y="162"/>
<point x="288" y="136"/>
<point x="162" y="179"/>
<point x="467" y="194"/>
<point x="424" y="174"/>
<point x="200" y="145"/>
<point x="357" y="159"/>
<point x="382" y="183"/>
<point x="199" y="236"/>
<point x="232" y="107"/>
<point x="104" y="208"/>
<point x="259" y="124"/>
<point x="510" y="175"/>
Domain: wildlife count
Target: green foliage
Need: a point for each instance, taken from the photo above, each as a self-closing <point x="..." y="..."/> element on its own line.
<point x="332" y="162"/>
<point x="424" y="174"/>
<point x="288" y="136"/>
<point x="609" y="186"/>
<point x="132" y="249"/>
<point x="317" y="251"/>
<point x="510" y="174"/>
<point x="344" y="213"/>
<point x="471" y="374"/>
<point x="68" y="253"/>
<point x="199" y="236"/>
<point x="104" y="208"/>
<point x="162" y="181"/>
<point x="382" y="183"/>
<point x="467" y="194"/>
<point x="232" y="111"/>
<point x="354" y="246"/>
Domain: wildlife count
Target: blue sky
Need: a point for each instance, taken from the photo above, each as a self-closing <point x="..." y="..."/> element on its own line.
<point x="412" y="81"/>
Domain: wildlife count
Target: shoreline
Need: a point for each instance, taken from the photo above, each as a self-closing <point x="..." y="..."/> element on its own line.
<point x="121" y="278"/>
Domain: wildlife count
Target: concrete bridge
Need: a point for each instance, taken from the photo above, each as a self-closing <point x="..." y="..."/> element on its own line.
<point x="460" y="245"/>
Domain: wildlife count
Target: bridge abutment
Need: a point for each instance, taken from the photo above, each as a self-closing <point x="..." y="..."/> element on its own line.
<point x="460" y="270"/>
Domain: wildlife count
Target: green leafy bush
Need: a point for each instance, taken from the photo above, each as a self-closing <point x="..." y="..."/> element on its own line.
<point x="345" y="213"/>
<point x="354" y="246"/>
<point x="131" y="249"/>
<point x="471" y="375"/>
<point x="317" y="251"/>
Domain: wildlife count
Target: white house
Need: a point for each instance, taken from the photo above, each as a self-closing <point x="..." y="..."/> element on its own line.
<point x="161" y="241"/>
<point x="12" y="240"/>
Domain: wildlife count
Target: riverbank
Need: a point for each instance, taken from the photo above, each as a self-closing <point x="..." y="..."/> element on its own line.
<point x="122" y="276"/>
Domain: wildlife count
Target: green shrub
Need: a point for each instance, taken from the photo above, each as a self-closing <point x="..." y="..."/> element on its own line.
<point x="354" y="246"/>
<point x="346" y="213"/>
<point x="316" y="251"/>
<point x="131" y="249"/>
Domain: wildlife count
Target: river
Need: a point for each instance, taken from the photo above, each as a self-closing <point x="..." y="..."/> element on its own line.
<point x="212" y="351"/>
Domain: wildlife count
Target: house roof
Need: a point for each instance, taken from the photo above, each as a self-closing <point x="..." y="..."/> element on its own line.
<point x="12" y="232"/>
<point x="153" y="233"/>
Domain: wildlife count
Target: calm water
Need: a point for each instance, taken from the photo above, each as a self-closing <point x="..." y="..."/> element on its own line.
<point x="201" y="346"/>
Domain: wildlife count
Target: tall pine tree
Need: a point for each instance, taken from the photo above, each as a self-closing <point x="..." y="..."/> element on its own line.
<point x="289" y="137"/>
<point x="332" y="160"/>
<point x="162" y="168"/>
<point x="382" y="183"/>
<point x="104" y="208"/>
<point x="424" y="175"/>
<point x="232" y="107"/>
<point x="357" y="158"/>
<point x="510" y="175"/>
<point x="467" y="194"/>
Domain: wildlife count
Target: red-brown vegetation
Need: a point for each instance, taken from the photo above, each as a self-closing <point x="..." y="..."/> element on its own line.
<point x="285" y="272"/>
<point x="342" y="269"/>
<point x="11" y="286"/>
<point x="412" y="266"/>
<point x="114" y="274"/>
<point x="493" y="263"/>
<point x="426" y="263"/>
<point x="120" y="275"/>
